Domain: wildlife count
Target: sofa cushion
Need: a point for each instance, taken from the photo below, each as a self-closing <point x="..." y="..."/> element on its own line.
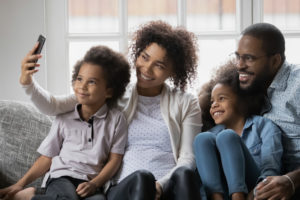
<point x="22" y="129"/>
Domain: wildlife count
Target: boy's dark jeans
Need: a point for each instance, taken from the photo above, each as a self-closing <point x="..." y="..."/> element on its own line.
<point x="64" y="188"/>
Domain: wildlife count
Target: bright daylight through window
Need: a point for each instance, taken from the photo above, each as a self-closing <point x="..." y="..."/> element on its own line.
<point x="217" y="24"/>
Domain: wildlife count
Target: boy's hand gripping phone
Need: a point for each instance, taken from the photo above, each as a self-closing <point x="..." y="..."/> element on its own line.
<point x="38" y="50"/>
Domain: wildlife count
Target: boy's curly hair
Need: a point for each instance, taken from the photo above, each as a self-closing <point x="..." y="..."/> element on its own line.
<point x="249" y="104"/>
<point x="180" y="45"/>
<point x="115" y="67"/>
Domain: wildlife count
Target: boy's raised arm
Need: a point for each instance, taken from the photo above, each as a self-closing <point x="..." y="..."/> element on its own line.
<point x="42" y="99"/>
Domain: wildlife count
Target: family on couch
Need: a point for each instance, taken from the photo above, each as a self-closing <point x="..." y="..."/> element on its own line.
<point x="163" y="121"/>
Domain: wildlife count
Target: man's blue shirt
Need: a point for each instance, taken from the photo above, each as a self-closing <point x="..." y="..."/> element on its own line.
<point x="284" y="97"/>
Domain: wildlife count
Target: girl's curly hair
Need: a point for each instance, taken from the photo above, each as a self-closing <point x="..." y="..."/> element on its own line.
<point x="180" y="45"/>
<point x="248" y="104"/>
<point x="115" y="66"/>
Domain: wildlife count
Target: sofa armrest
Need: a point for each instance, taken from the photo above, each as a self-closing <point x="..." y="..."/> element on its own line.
<point x="22" y="129"/>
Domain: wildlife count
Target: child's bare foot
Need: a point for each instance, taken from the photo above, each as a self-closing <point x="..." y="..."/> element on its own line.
<point x="238" y="196"/>
<point x="25" y="194"/>
<point x="217" y="196"/>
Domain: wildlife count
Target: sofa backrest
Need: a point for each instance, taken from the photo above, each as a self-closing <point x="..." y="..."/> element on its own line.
<point x="22" y="129"/>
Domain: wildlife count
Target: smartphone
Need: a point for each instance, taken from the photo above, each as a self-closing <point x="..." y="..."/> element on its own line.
<point x="38" y="50"/>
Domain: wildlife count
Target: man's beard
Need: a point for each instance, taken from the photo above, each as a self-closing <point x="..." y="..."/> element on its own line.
<point x="259" y="84"/>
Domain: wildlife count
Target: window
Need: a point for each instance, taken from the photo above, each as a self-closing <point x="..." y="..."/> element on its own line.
<point x="285" y="14"/>
<point x="141" y="11"/>
<point x="110" y="22"/>
<point x="217" y="24"/>
<point x="90" y="23"/>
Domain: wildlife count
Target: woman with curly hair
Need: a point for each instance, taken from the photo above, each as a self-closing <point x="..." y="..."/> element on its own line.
<point x="242" y="148"/>
<point x="162" y="119"/>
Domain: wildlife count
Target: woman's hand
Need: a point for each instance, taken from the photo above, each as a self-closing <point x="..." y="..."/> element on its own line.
<point x="28" y="66"/>
<point x="158" y="191"/>
<point x="86" y="189"/>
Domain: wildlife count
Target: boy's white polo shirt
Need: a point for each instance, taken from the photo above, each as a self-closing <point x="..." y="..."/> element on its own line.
<point x="78" y="153"/>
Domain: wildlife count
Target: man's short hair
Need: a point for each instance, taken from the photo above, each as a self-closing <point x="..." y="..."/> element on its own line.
<point x="271" y="36"/>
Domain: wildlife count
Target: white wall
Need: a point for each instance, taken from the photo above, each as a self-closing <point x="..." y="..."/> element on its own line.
<point x="20" y="24"/>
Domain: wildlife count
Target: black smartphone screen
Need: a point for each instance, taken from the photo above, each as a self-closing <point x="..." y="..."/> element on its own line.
<point x="38" y="50"/>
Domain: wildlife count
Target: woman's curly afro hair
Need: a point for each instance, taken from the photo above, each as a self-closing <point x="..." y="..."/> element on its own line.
<point x="180" y="45"/>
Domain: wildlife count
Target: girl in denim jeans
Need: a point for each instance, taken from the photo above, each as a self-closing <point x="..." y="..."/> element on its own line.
<point x="242" y="148"/>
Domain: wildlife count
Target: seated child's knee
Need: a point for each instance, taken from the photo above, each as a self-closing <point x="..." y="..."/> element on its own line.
<point x="227" y="136"/>
<point x="203" y="139"/>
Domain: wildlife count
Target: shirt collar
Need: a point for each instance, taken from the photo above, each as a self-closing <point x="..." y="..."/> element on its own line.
<point x="248" y="123"/>
<point x="280" y="80"/>
<point x="100" y="114"/>
<point x="267" y="106"/>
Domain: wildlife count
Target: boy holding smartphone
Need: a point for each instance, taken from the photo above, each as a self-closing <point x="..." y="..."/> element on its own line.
<point x="84" y="147"/>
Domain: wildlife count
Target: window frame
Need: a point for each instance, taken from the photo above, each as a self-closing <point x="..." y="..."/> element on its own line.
<point x="58" y="38"/>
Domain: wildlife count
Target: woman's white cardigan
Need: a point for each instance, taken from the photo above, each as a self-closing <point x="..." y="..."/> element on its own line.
<point x="180" y="111"/>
